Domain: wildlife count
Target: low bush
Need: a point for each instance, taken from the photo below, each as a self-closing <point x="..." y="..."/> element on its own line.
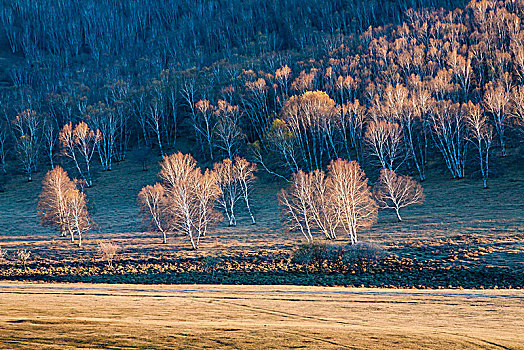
<point x="321" y="257"/>
<point x="210" y="265"/>
<point x="363" y="256"/>
<point x="316" y="255"/>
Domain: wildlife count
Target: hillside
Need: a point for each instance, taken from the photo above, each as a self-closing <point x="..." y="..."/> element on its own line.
<point x="477" y="235"/>
<point x="333" y="101"/>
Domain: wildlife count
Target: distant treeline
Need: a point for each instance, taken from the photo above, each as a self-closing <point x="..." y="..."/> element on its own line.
<point x="442" y="82"/>
<point x="184" y="33"/>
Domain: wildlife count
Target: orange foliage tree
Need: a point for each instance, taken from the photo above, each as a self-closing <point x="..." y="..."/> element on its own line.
<point x="313" y="119"/>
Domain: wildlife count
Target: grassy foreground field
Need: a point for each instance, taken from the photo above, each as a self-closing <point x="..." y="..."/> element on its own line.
<point x="64" y="316"/>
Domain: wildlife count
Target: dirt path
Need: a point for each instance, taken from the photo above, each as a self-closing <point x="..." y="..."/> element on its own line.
<point x="512" y="294"/>
<point x="63" y="316"/>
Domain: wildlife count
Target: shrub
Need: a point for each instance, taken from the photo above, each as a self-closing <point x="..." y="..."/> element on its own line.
<point x="363" y="255"/>
<point x="108" y="251"/>
<point x="316" y="254"/>
<point x="23" y="255"/>
<point x="210" y="264"/>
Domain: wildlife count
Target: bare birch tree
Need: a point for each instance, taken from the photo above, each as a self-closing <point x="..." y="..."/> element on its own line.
<point x="207" y="194"/>
<point x="307" y="205"/>
<point x="245" y="172"/>
<point x="385" y="141"/>
<point x="414" y="128"/>
<point x="397" y="191"/>
<point x="282" y="141"/>
<point x="321" y="207"/>
<point x="62" y="206"/>
<point x="80" y="144"/>
<point x="328" y="203"/>
<point x="228" y="132"/>
<point x="294" y="202"/>
<point x="255" y="104"/>
<point x="50" y="138"/>
<point x="27" y="129"/>
<point x="481" y="135"/>
<point x="496" y="101"/>
<point x="351" y="197"/>
<point x="190" y="196"/>
<point x="205" y="124"/>
<point x="227" y="179"/>
<point x="450" y="135"/>
<point x="105" y="122"/>
<point x="517" y="106"/>
<point x="79" y="220"/>
<point x="152" y="202"/>
<point x="4" y="147"/>
<point x="353" y="116"/>
<point x="53" y="205"/>
<point x="155" y="115"/>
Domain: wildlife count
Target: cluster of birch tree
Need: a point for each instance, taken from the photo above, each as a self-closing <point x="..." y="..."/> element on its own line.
<point x="189" y="201"/>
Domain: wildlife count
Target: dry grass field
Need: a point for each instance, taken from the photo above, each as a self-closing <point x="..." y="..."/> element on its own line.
<point x="66" y="316"/>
